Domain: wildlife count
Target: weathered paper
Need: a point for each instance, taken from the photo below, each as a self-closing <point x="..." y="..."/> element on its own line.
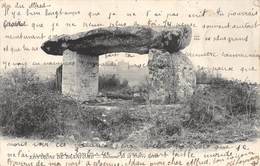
<point x="225" y="39"/>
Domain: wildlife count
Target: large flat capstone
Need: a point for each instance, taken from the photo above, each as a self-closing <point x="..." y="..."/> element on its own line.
<point x="134" y="39"/>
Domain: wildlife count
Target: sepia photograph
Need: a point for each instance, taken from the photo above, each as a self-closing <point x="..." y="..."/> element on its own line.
<point x="130" y="83"/>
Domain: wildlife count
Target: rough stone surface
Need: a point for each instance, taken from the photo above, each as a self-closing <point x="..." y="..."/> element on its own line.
<point x="133" y="39"/>
<point x="59" y="78"/>
<point x="79" y="75"/>
<point x="172" y="77"/>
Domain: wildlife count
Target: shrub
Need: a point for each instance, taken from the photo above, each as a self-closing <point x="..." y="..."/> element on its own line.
<point x="240" y="96"/>
<point x="205" y="75"/>
<point x="30" y="107"/>
<point x="111" y="82"/>
<point x="111" y="87"/>
<point x="221" y="100"/>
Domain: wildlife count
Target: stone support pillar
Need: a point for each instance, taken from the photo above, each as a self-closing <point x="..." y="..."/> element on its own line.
<point x="172" y="77"/>
<point x="80" y="75"/>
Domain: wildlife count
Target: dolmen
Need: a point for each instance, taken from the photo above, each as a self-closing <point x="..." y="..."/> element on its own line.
<point x="171" y="74"/>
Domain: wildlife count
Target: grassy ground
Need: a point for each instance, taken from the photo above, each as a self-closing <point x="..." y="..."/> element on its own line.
<point x="221" y="112"/>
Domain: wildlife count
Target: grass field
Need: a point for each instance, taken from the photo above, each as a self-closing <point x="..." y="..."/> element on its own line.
<point x="222" y="112"/>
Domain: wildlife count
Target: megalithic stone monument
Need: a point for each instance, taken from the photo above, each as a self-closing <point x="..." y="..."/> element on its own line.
<point x="81" y="57"/>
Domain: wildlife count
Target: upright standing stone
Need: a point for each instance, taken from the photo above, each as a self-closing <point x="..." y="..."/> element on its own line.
<point x="80" y="75"/>
<point x="59" y="78"/>
<point x="172" y="77"/>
